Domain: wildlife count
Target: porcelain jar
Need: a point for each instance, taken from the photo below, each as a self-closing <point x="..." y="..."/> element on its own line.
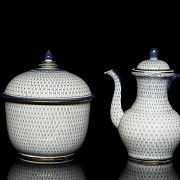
<point x="150" y="129"/>
<point x="47" y="112"/>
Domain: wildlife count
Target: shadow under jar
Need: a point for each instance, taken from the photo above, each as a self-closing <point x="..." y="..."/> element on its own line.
<point x="47" y="112"/>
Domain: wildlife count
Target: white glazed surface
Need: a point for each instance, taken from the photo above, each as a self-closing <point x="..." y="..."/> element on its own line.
<point x="47" y="84"/>
<point x="150" y="128"/>
<point x="30" y="171"/>
<point x="153" y="65"/>
<point x="47" y="130"/>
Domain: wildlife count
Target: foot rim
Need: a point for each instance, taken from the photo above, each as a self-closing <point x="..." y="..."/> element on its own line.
<point x="46" y="159"/>
<point x="150" y="161"/>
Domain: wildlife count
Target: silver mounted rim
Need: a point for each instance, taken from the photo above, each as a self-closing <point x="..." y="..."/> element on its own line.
<point x="152" y="73"/>
<point x="151" y="70"/>
<point x="47" y="100"/>
<point x="42" y="159"/>
<point x="150" y="161"/>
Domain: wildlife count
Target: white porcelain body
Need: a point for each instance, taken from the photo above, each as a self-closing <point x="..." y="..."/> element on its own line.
<point x="47" y="130"/>
<point x="47" y="112"/>
<point x="150" y="129"/>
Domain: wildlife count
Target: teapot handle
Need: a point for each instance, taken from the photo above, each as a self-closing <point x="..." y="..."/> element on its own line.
<point x="172" y="79"/>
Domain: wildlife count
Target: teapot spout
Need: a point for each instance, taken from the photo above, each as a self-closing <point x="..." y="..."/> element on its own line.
<point x="116" y="111"/>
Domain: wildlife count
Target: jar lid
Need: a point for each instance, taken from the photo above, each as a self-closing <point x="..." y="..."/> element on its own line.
<point x="47" y="84"/>
<point x="153" y="66"/>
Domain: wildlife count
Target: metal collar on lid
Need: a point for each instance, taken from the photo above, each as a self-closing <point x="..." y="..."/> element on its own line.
<point x="48" y="63"/>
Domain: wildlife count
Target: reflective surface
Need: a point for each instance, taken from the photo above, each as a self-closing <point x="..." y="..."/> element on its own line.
<point x="138" y="171"/>
<point x="22" y="170"/>
<point x="72" y="170"/>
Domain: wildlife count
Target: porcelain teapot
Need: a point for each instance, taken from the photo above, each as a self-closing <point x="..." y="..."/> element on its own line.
<point x="150" y="129"/>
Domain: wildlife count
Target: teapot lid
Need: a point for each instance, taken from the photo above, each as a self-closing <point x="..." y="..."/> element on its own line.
<point x="47" y="84"/>
<point x="153" y="66"/>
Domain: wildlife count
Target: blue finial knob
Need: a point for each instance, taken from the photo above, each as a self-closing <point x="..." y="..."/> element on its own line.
<point x="48" y="55"/>
<point x="153" y="54"/>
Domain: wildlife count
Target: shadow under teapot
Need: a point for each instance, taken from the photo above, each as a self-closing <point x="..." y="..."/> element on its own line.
<point x="140" y="171"/>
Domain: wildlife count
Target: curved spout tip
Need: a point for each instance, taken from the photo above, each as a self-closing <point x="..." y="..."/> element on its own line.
<point x="108" y="72"/>
<point x="113" y="73"/>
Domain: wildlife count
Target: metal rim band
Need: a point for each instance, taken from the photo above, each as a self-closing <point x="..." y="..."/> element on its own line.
<point x="153" y="73"/>
<point x="153" y="70"/>
<point x="41" y="159"/>
<point x="47" y="101"/>
<point x="150" y="161"/>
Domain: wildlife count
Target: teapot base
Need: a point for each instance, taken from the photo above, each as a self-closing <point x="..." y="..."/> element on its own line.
<point x="42" y="159"/>
<point x="150" y="161"/>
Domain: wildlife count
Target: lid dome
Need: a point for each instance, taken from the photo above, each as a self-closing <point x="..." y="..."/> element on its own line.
<point x="153" y="63"/>
<point x="153" y="66"/>
<point x="47" y="83"/>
